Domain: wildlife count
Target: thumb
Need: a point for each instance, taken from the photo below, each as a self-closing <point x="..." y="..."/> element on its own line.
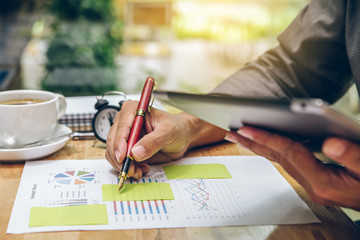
<point x="148" y="145"/>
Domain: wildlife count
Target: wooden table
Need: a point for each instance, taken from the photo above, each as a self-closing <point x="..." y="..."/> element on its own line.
<point x="335" y="224"/>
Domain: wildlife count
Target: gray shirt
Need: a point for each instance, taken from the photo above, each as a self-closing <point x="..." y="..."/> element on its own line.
<point x="318" y="56"/>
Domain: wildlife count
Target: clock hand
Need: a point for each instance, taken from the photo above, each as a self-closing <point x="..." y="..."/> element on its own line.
<point x="111" y="118"/>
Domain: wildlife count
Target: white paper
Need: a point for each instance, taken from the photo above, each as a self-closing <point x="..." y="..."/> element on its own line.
<point x="256" y="194"/>
<point x="86" y="104"/>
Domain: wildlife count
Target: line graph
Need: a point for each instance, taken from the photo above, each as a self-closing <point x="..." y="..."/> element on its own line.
<point x="208" y="199"/>
<point x="242" y="200"/>
<point x="199" y="193"/>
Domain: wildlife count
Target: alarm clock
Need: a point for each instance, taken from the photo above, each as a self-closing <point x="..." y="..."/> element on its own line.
<point x="104" y="117"/>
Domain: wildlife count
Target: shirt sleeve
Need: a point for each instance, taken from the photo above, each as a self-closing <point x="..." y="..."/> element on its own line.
<point x="310" y="60"/>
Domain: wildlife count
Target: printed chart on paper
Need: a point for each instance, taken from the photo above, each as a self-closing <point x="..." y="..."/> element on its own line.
<point x="256" y="194"/>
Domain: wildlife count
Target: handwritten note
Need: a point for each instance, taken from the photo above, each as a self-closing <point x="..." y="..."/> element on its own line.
<point x="69" y="215"/>
<point x="203" y="171"/>
<point x="137" y="192"/>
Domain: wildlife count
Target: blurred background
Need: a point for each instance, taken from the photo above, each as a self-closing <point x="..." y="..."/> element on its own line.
<point x="86" y="47"/>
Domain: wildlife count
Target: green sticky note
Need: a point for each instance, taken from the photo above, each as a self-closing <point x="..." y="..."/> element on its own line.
<point x="69" y="215"/>
<point x="137" y="192"/>
<point x="208" y="171"/>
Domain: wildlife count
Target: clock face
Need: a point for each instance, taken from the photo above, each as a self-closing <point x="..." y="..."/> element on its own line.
<point x="103" y="120"/>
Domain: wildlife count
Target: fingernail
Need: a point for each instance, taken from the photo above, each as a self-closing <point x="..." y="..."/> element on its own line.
<point x="117" y="156"/>
<point x="235" y="138"/>
<point x="137" y="176"/>
<point x="138" y="152"/>
<point x="334" y="148"/>
<point x="245" y="133"/>
<point x="230" y="137"/>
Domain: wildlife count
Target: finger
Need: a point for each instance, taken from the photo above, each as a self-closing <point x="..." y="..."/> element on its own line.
<point x="110" y="140"/>
<point x="340" y="184"/>
<point x="145" y="168"/>
<point x="110" y="154"/>
<point x="290" y="151"/>
<point x="115" y="155"/>
<point x="137" y="173"/>
<point x="316" y="192"/>
<point x="112" y="161"/>
<point x="119" y="133"/>
<point x="333" y="186"/>
<point x="328" y="183"/>
<point x="271" y="155"/>
<point x="160" y="157"/>
<point x="131" y="170"/>
<point x="150" y="144"/>
<point x="344" y="152"/>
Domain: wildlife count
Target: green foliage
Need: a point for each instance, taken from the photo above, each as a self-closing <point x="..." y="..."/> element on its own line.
<point x="96" y="10"/>
<point x="81" y="55"/>
<point x="82" y="44"/>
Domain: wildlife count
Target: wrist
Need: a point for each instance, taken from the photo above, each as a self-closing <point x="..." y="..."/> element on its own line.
<point x="201" y="132"/>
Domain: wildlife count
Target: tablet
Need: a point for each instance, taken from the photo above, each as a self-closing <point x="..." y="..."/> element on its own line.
<point x="309" y="121"/>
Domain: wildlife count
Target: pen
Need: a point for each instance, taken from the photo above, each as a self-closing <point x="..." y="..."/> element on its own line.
<point x="137" y="126"/>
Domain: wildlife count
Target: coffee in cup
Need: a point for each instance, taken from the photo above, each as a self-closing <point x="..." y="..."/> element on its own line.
<point x="28" y="116"/>
<point x="21" y="101"/>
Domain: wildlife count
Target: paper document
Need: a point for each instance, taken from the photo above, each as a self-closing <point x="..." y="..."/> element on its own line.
<point x="69" y="195"/>
<point x="136" y="192"/>
<point x="207" y="171"/>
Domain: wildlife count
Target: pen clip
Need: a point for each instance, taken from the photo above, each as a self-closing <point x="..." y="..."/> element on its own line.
<point x="152" y="96"/>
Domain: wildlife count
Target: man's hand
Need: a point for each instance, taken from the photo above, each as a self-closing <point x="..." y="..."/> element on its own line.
<point x="166" y="137"/>
<point x="326" y="184"/>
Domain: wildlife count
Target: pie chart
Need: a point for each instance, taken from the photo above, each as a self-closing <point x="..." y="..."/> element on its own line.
<point x="74" y="177"/>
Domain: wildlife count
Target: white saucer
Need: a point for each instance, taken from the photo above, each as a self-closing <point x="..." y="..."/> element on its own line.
<point x="37" y="152"/>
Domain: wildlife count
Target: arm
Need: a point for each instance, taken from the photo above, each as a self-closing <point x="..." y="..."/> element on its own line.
<point x="311" y="61"/>
<point x="282" y="72"/>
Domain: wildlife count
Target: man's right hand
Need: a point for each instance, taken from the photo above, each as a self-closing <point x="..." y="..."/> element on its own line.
<point x="165" y="137"/>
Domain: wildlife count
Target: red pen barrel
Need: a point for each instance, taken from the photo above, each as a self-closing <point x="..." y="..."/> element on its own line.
<point x="136" y="128"/>
<point x="146" y="94"/>
<point x="135" y="133"/>
<point x="140" y="114"/>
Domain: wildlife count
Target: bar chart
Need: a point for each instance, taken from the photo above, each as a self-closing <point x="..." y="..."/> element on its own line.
<point x="127" y="211"/>
<point x="54" y="191"/>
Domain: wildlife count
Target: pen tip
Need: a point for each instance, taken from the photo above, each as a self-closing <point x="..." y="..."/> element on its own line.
<point x="121" y="182"/>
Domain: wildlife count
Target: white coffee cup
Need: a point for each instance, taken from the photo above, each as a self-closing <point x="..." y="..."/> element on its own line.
<point x="28" y="116"/>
